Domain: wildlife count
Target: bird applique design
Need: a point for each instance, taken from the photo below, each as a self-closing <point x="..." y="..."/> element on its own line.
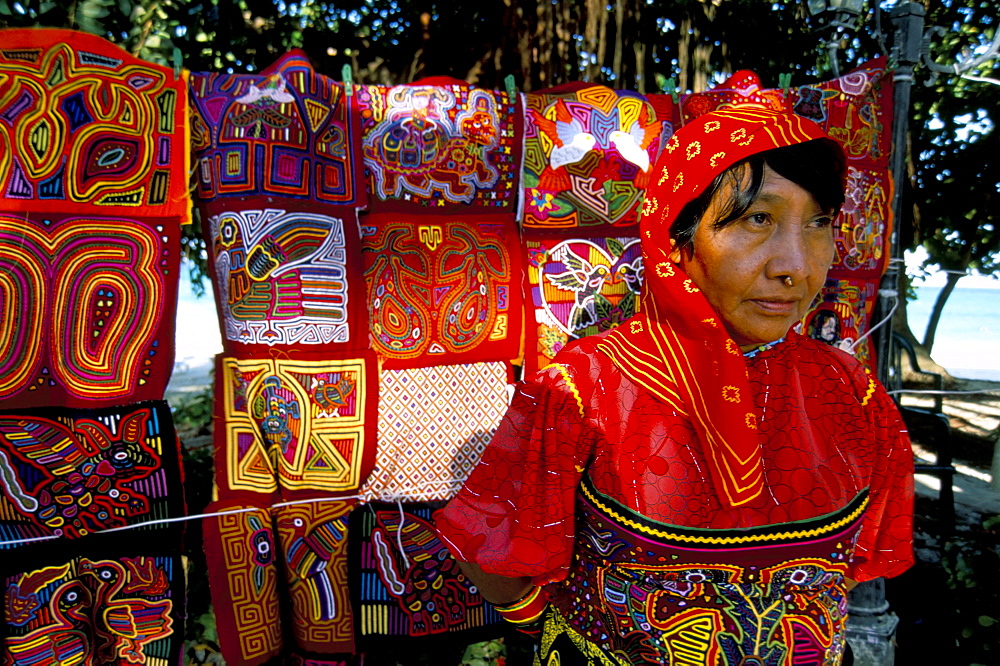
<point x="570" y="143"/>
<point x="584" y="279"/>
<point x="633" y="145"/>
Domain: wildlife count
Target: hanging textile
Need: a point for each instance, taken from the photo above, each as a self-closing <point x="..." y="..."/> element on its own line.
<point x="433" y="424"/>
<point x="94" y="184"/>
<point x="408" y="584"/>
<point x="442" y="289"/>
<point x="578" y="286"/>
<point x="280" y="567"/>
<point x="440" y="145"/>
<point x="294" y="428"/>
<point x="588" y="151"/>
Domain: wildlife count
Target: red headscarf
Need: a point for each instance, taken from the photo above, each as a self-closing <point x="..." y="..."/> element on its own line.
<point x="678" y="347"/>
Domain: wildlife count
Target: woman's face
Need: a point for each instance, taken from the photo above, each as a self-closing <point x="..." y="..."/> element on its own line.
<point x="741" y="268"/>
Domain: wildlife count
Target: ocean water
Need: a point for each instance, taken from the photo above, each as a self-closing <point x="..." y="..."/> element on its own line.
<point x="967" y="342"/>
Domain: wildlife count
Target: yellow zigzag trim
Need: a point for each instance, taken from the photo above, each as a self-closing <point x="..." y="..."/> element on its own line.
<point x="564" y="371"/>
<point x="870" y="393"/>
<point x="665" y="534"/>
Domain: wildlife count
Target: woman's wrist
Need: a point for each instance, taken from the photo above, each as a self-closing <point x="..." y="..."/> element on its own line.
<point x="526" y="611"/>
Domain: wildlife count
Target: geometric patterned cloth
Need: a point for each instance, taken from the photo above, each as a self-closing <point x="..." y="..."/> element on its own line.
<point x="294" y="428"/>
<point x="588" y="152"/>
<point x="93" y="188"/>
<point x="439" y="146"/>
<point x="93" y="191"/>
<point x="433" y="425"/>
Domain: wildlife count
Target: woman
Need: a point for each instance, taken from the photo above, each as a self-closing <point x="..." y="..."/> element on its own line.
<point x="700" y="485"/>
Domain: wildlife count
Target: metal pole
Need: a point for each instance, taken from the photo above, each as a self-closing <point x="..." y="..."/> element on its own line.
<point x="870" y="625"/>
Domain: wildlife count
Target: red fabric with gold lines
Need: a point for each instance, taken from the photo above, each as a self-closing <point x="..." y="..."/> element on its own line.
<point x="679" y="336"/>
<point x="827" y="431"/>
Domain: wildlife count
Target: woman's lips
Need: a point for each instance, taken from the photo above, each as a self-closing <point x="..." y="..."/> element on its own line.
<point x="776" y="306"/>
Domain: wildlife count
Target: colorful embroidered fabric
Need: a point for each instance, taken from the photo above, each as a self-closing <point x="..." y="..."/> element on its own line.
<point x="841" y="314"/>
<point x="441" y="145"/>
<point x="578" y="287"/>
<point x="287" y="277"/>
<point x="442" y="289"/>
<point x="856" y="110"/>
<point x="433" y="424"/>
<point x="256" y="591"/>
<point x="69" y="473"/>
<point x="94" y="184"/>
<point x="588" y="155"/>
<point x="287" y="132"/>
<point x="414" y="591"/>
<point x="109" y="604"/>
<point x="657" y="593"/>
<point x="829" y="435"/>
<point x="294" y="428"/>
<point x="89" y="321"/>
<point x="89" y="130"/>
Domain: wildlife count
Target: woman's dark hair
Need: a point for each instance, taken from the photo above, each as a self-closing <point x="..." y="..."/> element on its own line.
<point x="815" y="166"/>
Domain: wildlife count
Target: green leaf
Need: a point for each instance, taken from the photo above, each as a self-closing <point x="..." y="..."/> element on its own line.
<point x="986" y="621"/>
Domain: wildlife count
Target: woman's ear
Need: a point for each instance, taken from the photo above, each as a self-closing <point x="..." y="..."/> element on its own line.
<point x="675" y="252"/>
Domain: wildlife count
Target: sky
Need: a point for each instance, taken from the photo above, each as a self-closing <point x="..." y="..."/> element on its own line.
<point x="938" y="279"/>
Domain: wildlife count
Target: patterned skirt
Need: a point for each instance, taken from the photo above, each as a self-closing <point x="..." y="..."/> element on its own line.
<point x="645" y="592"/>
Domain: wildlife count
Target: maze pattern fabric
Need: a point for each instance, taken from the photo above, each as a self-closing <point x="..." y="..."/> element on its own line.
<point x="245" y="567"/>
<point x="241" y="550"/>
<point x="587" y="157"/>
<point x="95" y="608"/>
<point x="69" y="473"/>
<point x="88" y="129"/>
<point x="855" y="109"/>
<point x="287" y="132"/>
<point x="578" y="287"/>
<point x="294" y="428"/>
<point x="441" y="147"/>
<point x="408" y="582"/>
<point x="287" y="277"/>
<point x="442" y="289"/>
<point x="433" y="424"/>
<point x="89" y="309"/>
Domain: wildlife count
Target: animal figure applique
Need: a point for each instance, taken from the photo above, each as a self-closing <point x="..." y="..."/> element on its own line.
<point x="425" y="148"/>
<point x="570" y="143"/>
<point x="634" y="144"/>
<point x="274" y="409"/>
<point x="585" y="280"/>
<point x="76" y="484"/>
<point x="424" y="578"/>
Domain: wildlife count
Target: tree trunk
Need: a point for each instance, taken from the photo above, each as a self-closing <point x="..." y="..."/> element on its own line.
<point x="942" y="298"/>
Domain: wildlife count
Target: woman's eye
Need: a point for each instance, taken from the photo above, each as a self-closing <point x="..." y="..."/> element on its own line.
<point x="822" y="222"/>
<point x="758" y="219"/>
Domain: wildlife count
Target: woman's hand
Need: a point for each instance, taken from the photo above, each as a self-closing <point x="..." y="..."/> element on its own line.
<point x="496" y="589"/>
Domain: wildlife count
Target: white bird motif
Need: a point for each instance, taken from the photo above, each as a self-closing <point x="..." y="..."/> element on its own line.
<point x="633" y="145"/>
<point x="584" y="279"/>
<point x="274" y="89"/>
<point x="570" y="142"/>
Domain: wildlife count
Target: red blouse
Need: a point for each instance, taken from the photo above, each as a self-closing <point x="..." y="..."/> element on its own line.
<point x="830" y="431"/>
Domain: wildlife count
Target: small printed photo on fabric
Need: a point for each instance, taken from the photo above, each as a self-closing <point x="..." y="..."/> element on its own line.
<point x="90" y="129"/>
<point x="578" y="287"/>
<point x="286" y="132"/>
<point x="69" y="473"/>
<point x="295" y="428"/>
<point x="407" y="584"/>
<point x="841" y="315"/>
<point x="439" y="146"/>
<point x="90" y="317"/>
<point x="286" y="277"/>
<point x="588" y="156"/>
<point x="433" y="425"/>
<point x="442" y="289"/>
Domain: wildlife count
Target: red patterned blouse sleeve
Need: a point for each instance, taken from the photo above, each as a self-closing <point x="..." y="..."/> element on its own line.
<point x="515" y="514"/>
<point x="885" y="542"/>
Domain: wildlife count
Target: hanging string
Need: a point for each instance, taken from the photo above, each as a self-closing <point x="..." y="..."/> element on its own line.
<point x="396" y="497"/>
<point x="895" y="306"/>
